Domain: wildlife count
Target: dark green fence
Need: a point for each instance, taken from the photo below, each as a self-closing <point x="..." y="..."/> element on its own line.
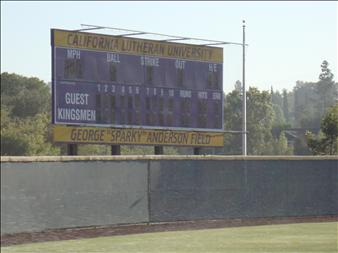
<point x="62" y="192"/>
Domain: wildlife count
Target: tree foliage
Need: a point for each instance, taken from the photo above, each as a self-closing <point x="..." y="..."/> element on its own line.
<point x="281" y="146"/>
<point x="25" y="116"/>
<point x="28" y="136"/>
<point x="260" y="116"/>
<point x="326" y="143"/>
<point x="325" y="89"/>
<point x="260" y="121"/>
<point x="305" y="108"/>
<point x="313" y="99"/>
<point x="233" y="122"/>
<point x="24" y="97"/>
<point x="326" y="74"/>
<point x="286" y="106"/>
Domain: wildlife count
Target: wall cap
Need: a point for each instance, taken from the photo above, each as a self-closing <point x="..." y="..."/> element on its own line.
<point x="12" y="159"/>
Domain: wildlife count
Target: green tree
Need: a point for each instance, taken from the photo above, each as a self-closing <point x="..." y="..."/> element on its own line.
<point x="11" y="143"/>
<point x="277" y="105"/>
<point x="24" y="97"/>
<point x="238" y="86"/>
<point x="325" y="88"/>
<point x="305" y="105"/>
<point x="28" y="136"/>
<point x="286" y="106"/>
<point x="325" y="143"/>
<point x="233" y="122"/>
<point x="260" y="118"/>
<point x="281" y="146"/>
<point x="326" y="74"/>
<point x="25" y="116"/>
<point x="278" y="119"/>
<point x="277" y="98"/>
<point x="311" y="100"/>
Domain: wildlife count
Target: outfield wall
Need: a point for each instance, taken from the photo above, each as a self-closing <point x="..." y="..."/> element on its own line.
<point x="189" y="190"/>
<point x="39" y="193"/>
<point x="42" y="195"/>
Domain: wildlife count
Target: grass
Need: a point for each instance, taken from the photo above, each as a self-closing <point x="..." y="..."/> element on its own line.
<point x="295" y="238"/>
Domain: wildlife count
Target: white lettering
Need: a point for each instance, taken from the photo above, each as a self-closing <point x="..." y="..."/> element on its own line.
<point x="179" y="64"/>
<point x="111" y="57"/>
<point x="213" y="67"/>
<point x="76" y="114"/>
<point x="150" y="61"/>
<point x="76" y="98"/>
<point x="185" y="93"/>
<point x="202" y="95"/>
<point x="73" y="54"/>
<point x="216" y="96"/>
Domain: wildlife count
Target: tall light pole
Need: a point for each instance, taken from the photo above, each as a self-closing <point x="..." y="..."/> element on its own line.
<point x="244" y="139"/>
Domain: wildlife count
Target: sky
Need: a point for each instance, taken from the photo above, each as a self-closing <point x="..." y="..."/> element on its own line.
<point x="287" y="40"/>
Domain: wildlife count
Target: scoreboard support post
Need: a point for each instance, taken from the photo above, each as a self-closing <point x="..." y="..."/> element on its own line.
<point x="72" y="149"/>
<point x="197" y="151"/>
<point x="115" y="150"/>
<point x="158" y="150"/>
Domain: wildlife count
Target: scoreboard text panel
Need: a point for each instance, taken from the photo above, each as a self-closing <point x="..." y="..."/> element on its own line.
<point x="135" y="136"/>
<point x="101" y="80"/>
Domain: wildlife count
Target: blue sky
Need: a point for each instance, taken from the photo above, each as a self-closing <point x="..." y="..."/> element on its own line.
<point x="287" y="40"/>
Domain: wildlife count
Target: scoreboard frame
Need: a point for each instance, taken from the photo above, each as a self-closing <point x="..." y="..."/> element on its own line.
<point x="205" y="54"/>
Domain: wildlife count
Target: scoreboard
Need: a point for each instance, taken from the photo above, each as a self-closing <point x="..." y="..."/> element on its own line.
<point x="112" y="81"/>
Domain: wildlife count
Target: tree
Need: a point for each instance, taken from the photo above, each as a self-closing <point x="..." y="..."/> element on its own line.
<point x="238" y="86"/>
<point x="260" y="118"/>
<point x="326" y="74"/>
<point x="278" y="119"/>
<point x="325" y="88"/>
<point x="276" y="98"/>
<point x="24" y="97"/>
<point x="281" y="146"/>
<point x="28" y="136"/>
<point x="25" y="116"/>
<point x="233" y="122"/>
<point x="277" y="105"/>
<point x="286" y="106"/>
<point x="305" y="105"/>
<point x="325" y="143"/>
<point x="311" y="100"/>
<point x="11" y="143"/>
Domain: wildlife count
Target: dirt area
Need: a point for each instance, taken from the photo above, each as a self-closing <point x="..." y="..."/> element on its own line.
<point x="90" y="232"/>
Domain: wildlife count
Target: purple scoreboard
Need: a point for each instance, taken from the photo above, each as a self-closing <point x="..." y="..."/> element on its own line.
<point x="112" y="81"/>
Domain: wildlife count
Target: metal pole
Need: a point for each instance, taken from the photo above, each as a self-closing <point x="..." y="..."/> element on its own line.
<point x="244" y="142"/>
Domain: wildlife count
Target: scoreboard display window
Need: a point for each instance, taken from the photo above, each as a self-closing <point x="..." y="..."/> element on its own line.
<point x="112" y="81"/>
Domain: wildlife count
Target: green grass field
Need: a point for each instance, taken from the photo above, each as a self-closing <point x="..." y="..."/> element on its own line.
<point x="295" y="238"/>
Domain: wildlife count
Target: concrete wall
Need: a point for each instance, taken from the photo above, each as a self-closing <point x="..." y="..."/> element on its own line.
<point x="58" y="192"/>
